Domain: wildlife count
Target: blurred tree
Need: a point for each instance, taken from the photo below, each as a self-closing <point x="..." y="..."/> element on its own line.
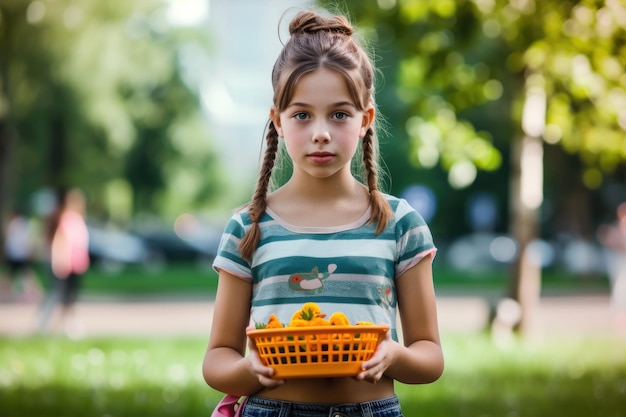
<point x="568" y="58"/>
<point x="549" y="71"/>
<point x="93" y="95"/>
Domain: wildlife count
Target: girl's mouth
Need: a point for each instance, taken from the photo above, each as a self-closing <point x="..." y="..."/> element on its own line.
<point x="321" y="157"/>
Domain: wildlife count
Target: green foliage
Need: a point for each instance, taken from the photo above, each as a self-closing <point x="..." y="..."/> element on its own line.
<point x="576" y="52"/>
<point x="161" y="377"/>
<point x="96" y="93"/>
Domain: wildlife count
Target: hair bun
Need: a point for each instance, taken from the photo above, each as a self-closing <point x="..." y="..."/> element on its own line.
<point x="311" y="22"/>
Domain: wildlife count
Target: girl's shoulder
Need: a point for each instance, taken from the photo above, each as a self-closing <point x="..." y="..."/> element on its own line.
<point x="404" y="214"/>
<point x="398" y="205"/>
<point x="241" y="215"/>
<point x="393" y="201"/>
<point x="241" y="219"/>
<point x="238" y="222"/>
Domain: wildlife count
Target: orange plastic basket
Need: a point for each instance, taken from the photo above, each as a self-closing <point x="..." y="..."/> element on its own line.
<point x="317" y="351"/>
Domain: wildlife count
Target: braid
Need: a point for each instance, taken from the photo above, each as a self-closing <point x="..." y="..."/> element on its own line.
<point x="381" y="211"/>
<point x="257" y="206"/>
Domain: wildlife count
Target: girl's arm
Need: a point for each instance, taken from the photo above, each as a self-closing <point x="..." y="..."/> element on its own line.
<point x="420" y="360"/>
<point x="225" y="367"/>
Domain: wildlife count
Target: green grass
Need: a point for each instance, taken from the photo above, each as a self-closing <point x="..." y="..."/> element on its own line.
<point x="103" y="377"/>
<point x="158" y="377"/>
<point x="559" y="377"/>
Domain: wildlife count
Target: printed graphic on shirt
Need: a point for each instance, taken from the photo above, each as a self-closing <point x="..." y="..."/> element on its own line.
<point x="311" y="282"/>
<point x="386" y="296"/>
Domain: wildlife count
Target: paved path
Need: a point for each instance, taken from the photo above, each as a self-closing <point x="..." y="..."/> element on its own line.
<point x="556" y="315"/>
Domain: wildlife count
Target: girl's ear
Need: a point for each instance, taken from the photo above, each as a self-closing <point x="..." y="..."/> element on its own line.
<point x="275" y="118"/>
<point x="368" y="119"/>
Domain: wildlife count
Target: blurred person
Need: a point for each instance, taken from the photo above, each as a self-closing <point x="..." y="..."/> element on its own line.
<point x="68" y="239"/>
<point x="19" y="250"/>
<point x="613" y="237"/>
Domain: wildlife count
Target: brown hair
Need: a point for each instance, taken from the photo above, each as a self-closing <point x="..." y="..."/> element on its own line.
<point x="319" y="41"/>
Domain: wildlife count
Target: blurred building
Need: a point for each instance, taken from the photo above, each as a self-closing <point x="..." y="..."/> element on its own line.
<point x="237" y="92"/>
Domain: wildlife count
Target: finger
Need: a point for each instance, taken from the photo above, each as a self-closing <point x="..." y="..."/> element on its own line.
<point x="374" y="361"/>
<point x="259" y="368"/>
<point x="270" y="382"/>
<point x="372" y="373"/>
<point x="370" y="379"/>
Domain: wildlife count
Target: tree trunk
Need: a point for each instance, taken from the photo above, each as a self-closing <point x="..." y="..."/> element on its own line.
<point x="57" y="155"/>
<point x="526" y="200"/>
<point x="525" y="285"/>
<point x="6" y="148"/>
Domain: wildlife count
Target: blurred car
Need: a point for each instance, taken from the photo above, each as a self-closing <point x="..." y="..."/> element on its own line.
<point x="481" y="252"/>
<point x="489" y="251"/>
<point x="151" y="246"/>
<point x="190" y="240"/>
<point x="112" y="248"/>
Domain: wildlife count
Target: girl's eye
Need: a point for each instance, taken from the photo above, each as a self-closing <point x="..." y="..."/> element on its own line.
<point x="300" y="116"/>
<point x="340" y="115"/>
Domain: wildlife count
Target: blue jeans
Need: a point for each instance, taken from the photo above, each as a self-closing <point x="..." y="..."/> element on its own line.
<point x="265" y="407"/>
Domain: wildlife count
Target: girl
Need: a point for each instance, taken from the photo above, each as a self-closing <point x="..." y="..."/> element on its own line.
<point x="372" y="251"/>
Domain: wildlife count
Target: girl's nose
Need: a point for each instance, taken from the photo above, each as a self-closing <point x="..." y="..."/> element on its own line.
<point x="321" y="135"/>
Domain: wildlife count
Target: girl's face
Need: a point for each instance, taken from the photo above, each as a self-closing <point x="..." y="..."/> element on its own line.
<point x="321" y="125"/>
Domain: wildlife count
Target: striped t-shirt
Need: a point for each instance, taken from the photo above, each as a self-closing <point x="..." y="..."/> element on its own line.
<point x="344" y="268"/>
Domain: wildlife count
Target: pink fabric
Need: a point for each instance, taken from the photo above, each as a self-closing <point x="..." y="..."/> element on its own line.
<point x="229" y="406"/>
<point x="70" y="246"/>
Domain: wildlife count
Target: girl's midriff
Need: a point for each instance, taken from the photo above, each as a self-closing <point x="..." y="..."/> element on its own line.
<point x="330" y="390"/>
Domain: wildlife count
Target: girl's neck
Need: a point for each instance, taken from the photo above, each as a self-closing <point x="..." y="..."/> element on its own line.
<point x="320" y="202"/>
<point x="323" y="190"/>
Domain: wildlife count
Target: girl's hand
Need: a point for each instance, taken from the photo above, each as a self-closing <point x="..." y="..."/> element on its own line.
<point x="262" y="372"/>
<point x="375" y="367"/>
